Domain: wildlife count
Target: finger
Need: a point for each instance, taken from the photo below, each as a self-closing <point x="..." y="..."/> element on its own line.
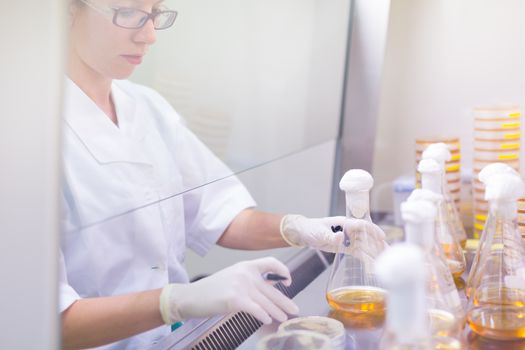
<point x="338" y="240"/>
<point x="279" y="279"/>
<point x="255" y="310"/>
<point x="271" y="264"/>
<point x="333" y="223"/>
<point x="332" y="242"/>
<point x="268" y="306"/>
<point x="334" y="220"/>
<point x="276" y="297"/>
<point x="377" y="230"/>
<point x="354" y="225"/>
<point x="359" y="225"/>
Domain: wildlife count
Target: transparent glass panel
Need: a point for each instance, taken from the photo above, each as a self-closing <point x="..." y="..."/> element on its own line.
<point x="149" y="170"/>
<point x="235" y="84"/>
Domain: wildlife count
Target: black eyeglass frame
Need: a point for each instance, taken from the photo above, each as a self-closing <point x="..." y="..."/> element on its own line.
<point x="148" y="16"/>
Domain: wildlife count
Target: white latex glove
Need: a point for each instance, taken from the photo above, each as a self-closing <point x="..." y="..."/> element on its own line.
<point x="300" y="231"/>
<point x="240" y="287"/>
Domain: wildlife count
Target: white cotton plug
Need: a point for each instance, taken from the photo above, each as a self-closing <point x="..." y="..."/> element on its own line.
<point x="504" y="187"/>
<point x="428" y="166"/>
<point x="422" y="194"/>
<point x="419" y="217"/>
<point x="355" y="180"/>
<point x="357" y="183"/>
<point x="431" y="175"/>
<point x="495" y="168"/>
<point x="420" y="210"/>
<point x="438" y="151"/>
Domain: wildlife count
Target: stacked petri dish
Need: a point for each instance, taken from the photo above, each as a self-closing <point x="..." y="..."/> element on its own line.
<point x="497" y="138"/>
<point x="521" y="217"/>
<point x="453" y="167"/>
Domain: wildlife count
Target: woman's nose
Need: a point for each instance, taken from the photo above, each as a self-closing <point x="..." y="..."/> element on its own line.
<point x="146" y="34"/>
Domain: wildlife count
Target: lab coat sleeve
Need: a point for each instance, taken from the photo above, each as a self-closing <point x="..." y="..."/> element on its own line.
<point x="214" y="194"/>
<point x="211" y="208"/>
<point x="67" y="295"/>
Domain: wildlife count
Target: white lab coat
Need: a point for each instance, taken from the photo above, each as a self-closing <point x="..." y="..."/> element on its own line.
<point x="118" y="238"/>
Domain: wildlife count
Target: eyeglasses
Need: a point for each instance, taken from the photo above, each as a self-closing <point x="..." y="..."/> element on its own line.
<point x="130" y="18"/>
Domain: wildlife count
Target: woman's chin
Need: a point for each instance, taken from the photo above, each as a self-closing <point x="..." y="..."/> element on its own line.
<point x="123" y="74"/>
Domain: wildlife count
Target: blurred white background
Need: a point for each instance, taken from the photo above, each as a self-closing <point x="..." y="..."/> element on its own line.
<point x="444" y="57"/>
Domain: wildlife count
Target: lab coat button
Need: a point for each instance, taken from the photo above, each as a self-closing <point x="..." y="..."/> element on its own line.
<point x="158" y="267"/>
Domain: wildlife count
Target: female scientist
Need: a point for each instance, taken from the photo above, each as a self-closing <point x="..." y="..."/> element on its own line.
<point x="124" y="147"/>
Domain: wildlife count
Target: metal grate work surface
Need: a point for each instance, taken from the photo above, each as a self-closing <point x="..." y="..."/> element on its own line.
<point x="228" y="332"/>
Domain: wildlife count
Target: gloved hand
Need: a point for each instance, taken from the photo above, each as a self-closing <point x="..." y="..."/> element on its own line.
<point x="300" y="231"/>
<point x="240" y="287"/>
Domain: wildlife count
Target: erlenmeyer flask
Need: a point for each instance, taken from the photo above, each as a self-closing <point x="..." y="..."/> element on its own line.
<point x="431" y="180"/>
<point x="402" y="271"/>
<point x="444" y="306"/>
<point x="441" y="154"/>
<point x="484" y="174"/>
<point x="352" y="290"/>
<point x="496" y="306"/>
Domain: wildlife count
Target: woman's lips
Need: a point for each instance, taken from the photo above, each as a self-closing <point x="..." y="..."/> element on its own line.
<point x="133" y="59"/>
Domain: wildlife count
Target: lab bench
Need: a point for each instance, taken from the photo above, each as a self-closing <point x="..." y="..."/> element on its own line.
<point x="310" y="271"/>
<point x="231" y="331"/>
<point x="312" y="301"/>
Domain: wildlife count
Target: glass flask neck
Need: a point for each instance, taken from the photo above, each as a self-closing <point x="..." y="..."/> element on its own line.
<point x="444" y="183"/>
<point x="358" y="205"/>
<point x="406" y="317"/>
<point x="432" y="182"/>
<point x="421" y="234"/>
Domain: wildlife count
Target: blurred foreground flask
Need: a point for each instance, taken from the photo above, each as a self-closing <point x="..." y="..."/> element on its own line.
<point x="401" y="269"/>
<point x="446" y="315"/>
<point x="496" y="306"/>
<point x="431" y="180"/>
<point x="353" y="291"/>
<point x="441" y="154"/>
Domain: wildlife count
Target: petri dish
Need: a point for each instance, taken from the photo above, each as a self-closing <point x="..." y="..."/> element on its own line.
<point x="497" y="145"/>
<point x="330" y="327"/>
<point x="452" y="142"/>
<point x="497" y="123"/>
<point x="496" y="156"/>
<point x="497" y="135"/>
<point x="506" y="112"/>
<point x="295" y="340"/>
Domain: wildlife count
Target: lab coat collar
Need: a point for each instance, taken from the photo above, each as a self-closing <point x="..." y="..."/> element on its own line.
<point x="107" y="142"/>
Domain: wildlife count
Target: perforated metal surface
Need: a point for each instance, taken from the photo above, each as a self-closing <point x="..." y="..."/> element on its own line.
<point x="228" y="332"/>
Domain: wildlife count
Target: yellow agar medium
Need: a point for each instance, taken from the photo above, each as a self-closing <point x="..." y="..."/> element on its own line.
<point x="510" y="146"/>
<point x="511" y="125"/>
<point x="512" y="136"/>
<point x="453" y="168"/>
<point x="481" y="217"/>
<point x="508" y="156"/>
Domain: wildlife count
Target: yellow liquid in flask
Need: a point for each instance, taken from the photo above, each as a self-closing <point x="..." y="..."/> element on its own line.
<point x="360" y="306"/>
<point x="442" y="323"/>
<point x="455" y="264"/>
<point x="501" y="318"/>
<point x="446" y="343"/>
